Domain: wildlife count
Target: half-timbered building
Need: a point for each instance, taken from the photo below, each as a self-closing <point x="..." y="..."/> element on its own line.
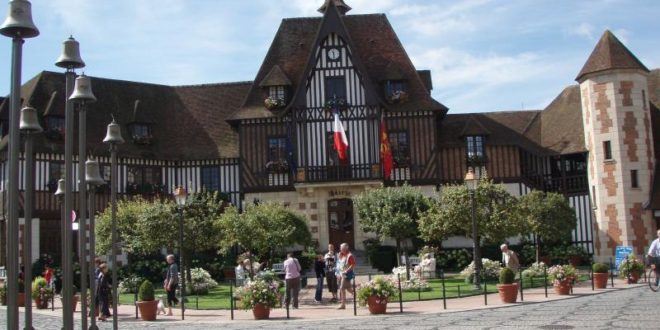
<point x="274" y="138"/>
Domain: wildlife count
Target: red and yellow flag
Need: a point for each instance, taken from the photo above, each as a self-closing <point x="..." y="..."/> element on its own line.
<point x="385" y="151"/>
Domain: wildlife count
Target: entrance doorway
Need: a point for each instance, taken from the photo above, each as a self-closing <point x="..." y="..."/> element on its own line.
<point x="341" y="226"/>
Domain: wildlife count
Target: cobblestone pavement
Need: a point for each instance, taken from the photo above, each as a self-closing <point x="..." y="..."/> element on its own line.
<point x="635" y="308"/>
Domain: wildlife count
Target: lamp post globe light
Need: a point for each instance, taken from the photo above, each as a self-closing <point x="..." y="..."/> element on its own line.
<point x="93" y="179"/>
<point x="472" y="182"/>
<point x="113" y="138"/>
<point x="18" y="25"/>
<point x="82" y="95"/>
<point x="28" y="125"/>
<point x="69" y="60"/>
<point x="181" y="197"/>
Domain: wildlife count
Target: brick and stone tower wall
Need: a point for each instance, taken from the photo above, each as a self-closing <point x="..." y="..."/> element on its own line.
<point x="617" y="130"/>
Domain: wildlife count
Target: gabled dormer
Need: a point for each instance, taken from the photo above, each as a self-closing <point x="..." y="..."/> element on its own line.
<point x="395" y="84"/>
<point x="54" y="119"/>
<point x="140" y="128"/>
<point x="276" y="87"/>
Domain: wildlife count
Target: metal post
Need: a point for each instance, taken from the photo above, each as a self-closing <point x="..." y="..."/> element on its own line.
<point x="92" y="257"/>
<point x="27" y="227"/>
<point x="591" y="273"/>
<point x="231" y="298"/>
<point x="612" y="272"/>
<point x="400" y="295"/>
<point x="113" y="200"/>
<point x="521" y="284"/>
<point x="459" y="290"/>
<point x="354" y="299"/>
<point x="485" y="293"/>
<point x="82" y="211"/>
<point x="545" y="280"/>
<point x="67" y="253"/>
<point x="475" y="241"/>
<point x="135" y="299"/>
<point x="12" y="185"/>
<point x="444" y="295"/>
<point x="182" y="274"/>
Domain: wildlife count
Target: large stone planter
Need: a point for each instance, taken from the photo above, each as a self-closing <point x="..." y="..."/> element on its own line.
<point x="261" y="312"/>
<point x="508" y="292"/>
<point x="600" y="280"/>
<point x="148" y="309"/>
<point x="377" y="305"/>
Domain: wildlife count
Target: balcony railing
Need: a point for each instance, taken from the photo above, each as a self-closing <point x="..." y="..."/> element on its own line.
<point x="353" y="172"/>
<point x="566" y="184"/>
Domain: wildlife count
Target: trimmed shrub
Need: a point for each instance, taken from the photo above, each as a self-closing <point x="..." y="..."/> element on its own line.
<point x="600" y="267"/>
<point x="146" y="292"/>
<point x="507" y="276"/>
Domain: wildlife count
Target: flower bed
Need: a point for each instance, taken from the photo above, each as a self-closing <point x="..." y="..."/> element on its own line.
<point x="490" y="270"/>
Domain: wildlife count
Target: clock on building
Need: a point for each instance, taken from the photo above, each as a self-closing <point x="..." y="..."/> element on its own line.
<point x="333" y="54"/>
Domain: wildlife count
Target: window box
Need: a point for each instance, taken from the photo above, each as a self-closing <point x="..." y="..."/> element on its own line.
<point x="398" y="96"/>
<point x="143" y="139"/>
<point x="280" y="166"/>
<point x="272" y="103"/>
<point x="336" y="103"/>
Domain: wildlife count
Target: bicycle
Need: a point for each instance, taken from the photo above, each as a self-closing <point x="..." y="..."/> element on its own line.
<point x="652" y="276"/>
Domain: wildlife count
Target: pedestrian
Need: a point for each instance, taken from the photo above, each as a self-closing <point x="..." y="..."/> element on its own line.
<point x="319" y="268"/>
<point x="654" y="257"/>
<point x="292" y="280"/>
<point x="509" y="258"/>
<point x="103" y="292"/>
<point x="345" y="271"/>
<point x="330" y="262"/>
<point x="241" y="272"/>
<point x="171" y="283"/>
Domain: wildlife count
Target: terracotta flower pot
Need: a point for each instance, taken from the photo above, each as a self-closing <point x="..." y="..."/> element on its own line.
<point x="633" y="277"/>
<point x="21" y="299"/>
<point x="377" y="305"/>
<point x="508" y="292"/>
<point x="40" y="304"/>
<point x="148" y="309"/>
<point x="74" y="302"/>
<point x="600" y="280"/>
<point x="261" y="312"/>
<point x="563" y="288"/>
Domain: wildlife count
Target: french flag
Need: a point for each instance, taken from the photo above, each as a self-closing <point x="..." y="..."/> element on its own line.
<point x="341" y="142"/>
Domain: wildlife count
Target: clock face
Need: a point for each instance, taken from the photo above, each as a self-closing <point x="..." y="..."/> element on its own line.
<point x="333" y="54"/>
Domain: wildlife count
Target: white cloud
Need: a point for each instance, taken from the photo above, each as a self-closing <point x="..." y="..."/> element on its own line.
<point x="584" y="29"/>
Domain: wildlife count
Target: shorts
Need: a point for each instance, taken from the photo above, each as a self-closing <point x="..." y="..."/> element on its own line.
<point x="344" y="283"/>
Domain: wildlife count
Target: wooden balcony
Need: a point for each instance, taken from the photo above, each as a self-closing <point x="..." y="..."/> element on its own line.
<point x="573" y="184"/>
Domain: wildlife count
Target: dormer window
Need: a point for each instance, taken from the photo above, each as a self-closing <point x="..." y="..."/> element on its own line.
<point x="54" y="127"/>
<point x="475" y="149"/>
<point x="396" y="91"/>
<point x="276" y="86"/>
<point x="276" y="97"/>
<point x="141" y="133"/>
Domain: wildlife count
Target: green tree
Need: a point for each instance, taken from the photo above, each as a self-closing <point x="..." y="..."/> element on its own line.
<point x="392" y="212"/>
<point x="262" y="228"/>
<point x="548" y="216"/>
<point x="451" y="214"/>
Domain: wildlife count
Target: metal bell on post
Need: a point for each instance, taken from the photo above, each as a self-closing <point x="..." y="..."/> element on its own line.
<point x="93" y="173"/>
<point x="70" y="57"/>
<point x="29" y="122"/>
<point x="82" y="92"/>
<point x="19" y="20"/>
<point x="60" y="188"/>
<point x="113" y="135"/>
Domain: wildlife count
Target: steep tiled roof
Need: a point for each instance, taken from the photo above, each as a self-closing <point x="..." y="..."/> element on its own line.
<point x="186" y="121"/>
<point x="562" y="131"/>
<point x="376" y="45"/>
<point x="609" y="54"/>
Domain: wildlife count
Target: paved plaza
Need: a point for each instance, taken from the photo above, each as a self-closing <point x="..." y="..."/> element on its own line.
<point x="619" y="308"/>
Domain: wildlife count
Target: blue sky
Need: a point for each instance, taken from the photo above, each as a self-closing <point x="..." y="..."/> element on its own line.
<point x="485" y="55"/>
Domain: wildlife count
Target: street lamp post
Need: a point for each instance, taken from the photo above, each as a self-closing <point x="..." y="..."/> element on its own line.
<point x="69" y="60"/>
<point x="181" y="195"/>
<point x="18" y="25"/>
<point x="29" y="125"/>
<point x="93" y="179"/>
<point x="472" y="181"/>
<point x="82" y="94"/>
<point x="113" y="138"/>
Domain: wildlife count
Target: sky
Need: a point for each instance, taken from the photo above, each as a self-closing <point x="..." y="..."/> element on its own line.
<point x="485" y="55"/>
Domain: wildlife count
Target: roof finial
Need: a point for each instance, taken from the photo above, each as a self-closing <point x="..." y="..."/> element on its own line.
<point x="341" y="6"/>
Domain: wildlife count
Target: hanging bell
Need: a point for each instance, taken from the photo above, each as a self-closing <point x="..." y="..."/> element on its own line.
<point x="60" y="188"/>
<point x="19" y="20"/>
<point x="29" y="122"/>
<point x="70" y="57"/>
<point x="92" y="173"/>
<point x="113" y="135"/>
<point x="82" y="92"/>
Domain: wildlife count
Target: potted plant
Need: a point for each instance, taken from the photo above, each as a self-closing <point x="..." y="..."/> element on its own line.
<point x="563" y="277"/>
<point x="21" y="293"/>
<point x="631" y="268"/>
<point x="260" y="296"/>
<point x="600" y="275"/>
<point x="507" y="288"/>
<point x="147" y="302"/>
<point x="272" y="103"/>
<point x="376" y="293"/>
<point x="41" y="293"/>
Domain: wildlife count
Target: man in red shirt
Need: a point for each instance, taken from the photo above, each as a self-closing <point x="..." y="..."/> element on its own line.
<point x="345" y="273"/>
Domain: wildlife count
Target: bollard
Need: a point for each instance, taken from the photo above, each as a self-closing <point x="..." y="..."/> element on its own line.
<point x="545" y="280"/>
<point x="354" y="298"/>
<point x="444" y="296"/>
<point x="231" y="298"/>
<point x="400" y="295"/>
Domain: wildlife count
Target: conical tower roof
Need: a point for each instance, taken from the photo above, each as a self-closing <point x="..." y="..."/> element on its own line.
<point x="610" y="54"/>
